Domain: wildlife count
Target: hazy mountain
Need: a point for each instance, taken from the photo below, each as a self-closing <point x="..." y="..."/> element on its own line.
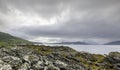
<point x="77" y="42"/>
<point x="113" y="43"/>
<point x="6" y="39"/>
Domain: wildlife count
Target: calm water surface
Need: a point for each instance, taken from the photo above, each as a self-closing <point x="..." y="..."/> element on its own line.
<point x="95" y="49"/>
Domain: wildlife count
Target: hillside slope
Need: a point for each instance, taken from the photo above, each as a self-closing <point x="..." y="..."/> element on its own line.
<point x="7" y="39"/>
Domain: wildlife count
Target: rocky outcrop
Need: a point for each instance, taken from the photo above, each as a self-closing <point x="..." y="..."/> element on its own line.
<point x="31" y="57"/>
<point x="35" y="58"/>
<point x="113" y="60"/>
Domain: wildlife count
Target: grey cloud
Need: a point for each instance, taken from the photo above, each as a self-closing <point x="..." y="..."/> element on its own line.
<point x="86" y="19"/>
<point x="3" y="7"/>
<point x="2" y="24"/>
<point x="48" y="8"/>
<point x="45" y="8"/>
<point x="76" y="29"/>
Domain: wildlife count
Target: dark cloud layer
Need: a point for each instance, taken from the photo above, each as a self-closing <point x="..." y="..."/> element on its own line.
<point x="88" y="19"/>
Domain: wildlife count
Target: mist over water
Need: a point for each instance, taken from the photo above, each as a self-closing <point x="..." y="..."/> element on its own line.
<point x="95" y="49"/>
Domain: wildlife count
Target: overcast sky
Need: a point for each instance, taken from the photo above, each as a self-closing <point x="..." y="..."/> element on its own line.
<point x="57" y="20"/>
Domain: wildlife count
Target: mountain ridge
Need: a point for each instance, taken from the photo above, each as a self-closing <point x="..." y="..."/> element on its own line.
<point x="75" y="42"/>
<point x="113" y="43"/>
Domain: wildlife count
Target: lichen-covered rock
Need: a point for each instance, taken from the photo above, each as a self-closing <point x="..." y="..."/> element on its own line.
<point x="5" y="66"/>
<point x="6" y="52"/>
<point x="25" y="66"/>
<point x="51" y="67"/>
<point x="31" y="58"/>
<point x="114" y="57"/>
<point x="39" y="65"/>
<point x="117" y="66"/>
<point x="15" y="62"/>
<point x="60" y="64"/>
<point x="113" y="60"/>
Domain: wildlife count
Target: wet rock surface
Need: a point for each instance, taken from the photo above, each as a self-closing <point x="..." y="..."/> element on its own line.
<point x="31" y="57"/>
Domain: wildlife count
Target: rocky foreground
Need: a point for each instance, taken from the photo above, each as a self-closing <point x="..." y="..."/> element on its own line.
<point x="31" y="57"/>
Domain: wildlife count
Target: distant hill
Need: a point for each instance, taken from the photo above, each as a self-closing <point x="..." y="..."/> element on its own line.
<point x="77" y="43"/>
<point x="113" y="43"/>
<point x="7" y="39"/>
